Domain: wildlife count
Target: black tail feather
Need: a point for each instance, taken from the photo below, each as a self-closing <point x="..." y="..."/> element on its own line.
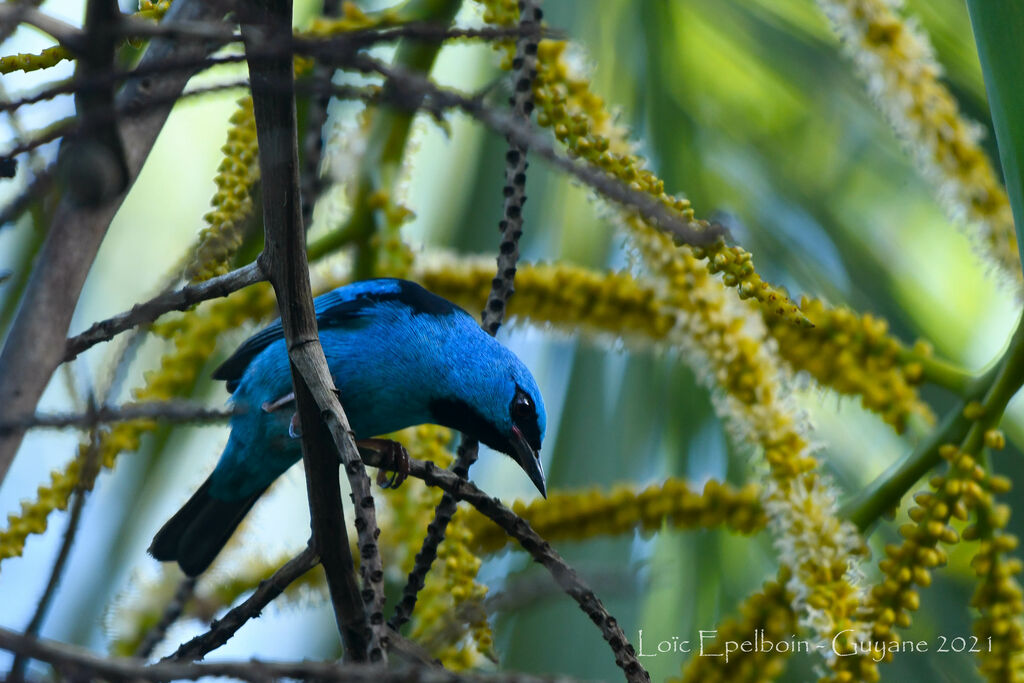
<point x="198" y="531"/>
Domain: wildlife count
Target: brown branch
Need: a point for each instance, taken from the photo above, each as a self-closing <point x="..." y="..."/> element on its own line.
<point x="168" y="411"/>
<point x="436" y="530"/>
<point x="71" y="128"/>
<point x="60" y="30"/>
<point x="541" y="551"/>
<point x="35" y="344"/>
<point x="222" y="629"/>
<point x="419" y="92"/>
<point x="94" y="167"/>
<point x="86" y="478"/>
<point x="165" y="302"/>
<point x="327" y="49"/>
<point x="284" y="261"/>
<point x="172" y="612"/>
<point x="76" y="663"/>
<point x="511" y="226"/>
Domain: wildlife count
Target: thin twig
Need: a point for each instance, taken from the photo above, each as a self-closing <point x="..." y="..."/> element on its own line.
<point x="222" y="629"/>
<point x="443" y="513"/>
<point x="165" y="302"/>
<point x="511" y="226"/>
<point x="86" y="478"/>
<point x="14" y="13"/>
<point x="36" y="188"/>
<point x="415" y="88"/>
<point x="312" y="183"/>
<point x="76" y="663"/>
<point x="172" y="612"/>
<point x="327" y="49"/>
<point x="166" y="411"/>
<point x="541" y="551"/>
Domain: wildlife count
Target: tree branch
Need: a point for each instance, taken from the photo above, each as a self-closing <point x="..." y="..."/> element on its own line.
<point x="221" y="630"/>
<point x="76" y="663"/>
<point x="86" y="479"/>
<point x="541" y="551"/>
<point x="284" y="261"/>
<point x="166" y="302"/>
<point x="35" y="345"/>
<point x="172" y="612"/>
<point x="419" y="92"/>
<point x="169" y="411"/>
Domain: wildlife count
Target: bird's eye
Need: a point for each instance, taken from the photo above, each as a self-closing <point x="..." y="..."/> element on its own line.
<point x="522" y="407"/>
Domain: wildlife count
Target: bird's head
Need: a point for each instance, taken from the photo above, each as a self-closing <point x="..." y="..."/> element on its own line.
<point x="503" y="409"/>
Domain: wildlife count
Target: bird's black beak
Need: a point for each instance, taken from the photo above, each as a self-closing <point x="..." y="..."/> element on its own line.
<point x="529" y="460"/>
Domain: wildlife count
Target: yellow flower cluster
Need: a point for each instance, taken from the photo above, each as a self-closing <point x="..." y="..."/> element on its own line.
<point x="964" y="486"/>
<point x="998" y="598"/>
<point x="578" y="515"/>
<point x="580" y="120"/>
<point x="726" y="345"/>
<point x="846" y="352"/>
<point x="559" y="294"/>
<point x="767" y="615"/>
<point x="52" y="56"/>
<point x="439" y="623"/>
<point x="822" y="551"/>
<point x="451" y="599"/>
<point x="232" y="202"/>
<point x="853" y="354"/>
<point x="194" y="342"/>
<point x="900" y="71"/>
<point x="153" y="10"/>
<point x="352" y="18"/>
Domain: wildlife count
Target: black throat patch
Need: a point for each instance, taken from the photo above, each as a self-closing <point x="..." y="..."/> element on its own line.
<point x="457" y="414"/>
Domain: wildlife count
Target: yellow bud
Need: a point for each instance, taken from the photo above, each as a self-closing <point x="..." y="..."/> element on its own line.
<point x="995" y="439"/>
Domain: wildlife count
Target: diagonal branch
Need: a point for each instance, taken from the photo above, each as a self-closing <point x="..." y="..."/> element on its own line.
<point x="166" y="302"/>
<point x="541" y="551"/>
<point x="415" y="89"/>
<point x="172" y="612"/>
<point x="222" y="629"/>
<point x="74" y="663"/>
<point x="284" y="261"/>
<point x="85" y="482"/>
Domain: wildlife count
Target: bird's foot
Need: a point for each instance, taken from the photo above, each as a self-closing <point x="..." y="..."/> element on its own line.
<point x="396" y="458"/>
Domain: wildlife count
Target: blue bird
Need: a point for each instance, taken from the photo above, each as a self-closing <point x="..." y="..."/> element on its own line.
<point x="399" y="356"/>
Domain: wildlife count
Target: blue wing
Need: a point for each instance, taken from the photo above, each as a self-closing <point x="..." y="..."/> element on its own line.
<point x="343" y="308"/>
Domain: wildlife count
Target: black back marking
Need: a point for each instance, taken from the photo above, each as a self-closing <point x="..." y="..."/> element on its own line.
<point x="335" y="314"/>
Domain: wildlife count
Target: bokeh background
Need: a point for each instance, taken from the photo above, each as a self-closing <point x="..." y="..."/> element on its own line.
<point x="747" y="108"/>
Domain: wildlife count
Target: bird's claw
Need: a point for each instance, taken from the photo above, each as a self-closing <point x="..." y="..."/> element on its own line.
<point x="396" y="459"/>
<point x="294" y="429"/>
